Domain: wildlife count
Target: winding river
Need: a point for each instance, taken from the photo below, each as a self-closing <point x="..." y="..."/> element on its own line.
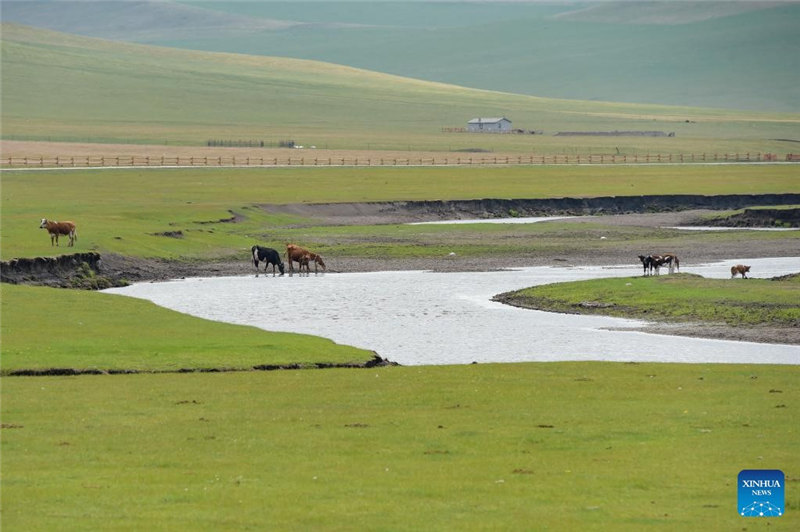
<point x="421" y="318"/>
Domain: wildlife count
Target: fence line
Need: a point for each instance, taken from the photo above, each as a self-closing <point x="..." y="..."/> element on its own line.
<point x="446" y="160"/>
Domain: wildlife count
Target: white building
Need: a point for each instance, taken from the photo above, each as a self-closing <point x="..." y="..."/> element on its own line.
<point x="489" y="125"/>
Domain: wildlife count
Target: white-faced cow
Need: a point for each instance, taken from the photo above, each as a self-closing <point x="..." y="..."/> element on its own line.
<point x="268" y="256"/>
<point x="59" y="228"/>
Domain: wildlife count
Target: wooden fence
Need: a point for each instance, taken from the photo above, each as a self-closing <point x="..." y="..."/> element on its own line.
<point x="444" y="160"/>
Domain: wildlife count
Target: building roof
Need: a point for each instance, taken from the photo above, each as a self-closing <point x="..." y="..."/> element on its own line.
<point x="487" y="120"/>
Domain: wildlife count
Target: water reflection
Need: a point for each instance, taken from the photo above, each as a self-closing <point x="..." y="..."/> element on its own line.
<point x="417" y="318"/>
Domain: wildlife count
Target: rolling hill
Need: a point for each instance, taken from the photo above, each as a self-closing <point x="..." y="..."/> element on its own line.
<point x="725" y="54"/>
<point x="64" y="87"/>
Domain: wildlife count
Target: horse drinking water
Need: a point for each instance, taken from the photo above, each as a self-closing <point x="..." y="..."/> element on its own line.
<point x="59" y="228"/>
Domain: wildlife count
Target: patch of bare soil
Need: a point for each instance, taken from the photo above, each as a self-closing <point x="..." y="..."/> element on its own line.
<point x="760" y="334"/>
<point x="20" y="149"/>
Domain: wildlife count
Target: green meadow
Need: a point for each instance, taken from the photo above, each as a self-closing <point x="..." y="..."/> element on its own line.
<point x="120" y="92"/>
<point x="562" y="446"/>
<point x="723" y="54"/>
<point x="575" y="446"/>
<point x="681" y="297"/>
<point x="127" y="211"/>
<point x="108" y="333"/>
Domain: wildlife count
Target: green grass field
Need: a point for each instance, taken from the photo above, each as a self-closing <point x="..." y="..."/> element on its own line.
<point x="577" y="446"/>
<point x="103" y="332"/>
<point x="563" y="446"/>
<point x="114" y="214"/>
<point x="117" y="92"/>
<point x="685" y="53"/>
<point x="682" y="297"/>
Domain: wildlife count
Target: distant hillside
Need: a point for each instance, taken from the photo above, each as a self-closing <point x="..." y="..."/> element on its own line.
<point x="742" y="55"/>
<point x="661" y="12"/>
<point x="64" y="87"/>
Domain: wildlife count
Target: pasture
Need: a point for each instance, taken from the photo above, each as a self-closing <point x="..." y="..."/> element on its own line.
<point x="562" y="445"/>
<point x="104" y="333"/>
<point x="215" y="213"/>
<point x="578" y="446"/>
<point x="111" y="92"/>
<point x="729" y="54"/>
<point x="566" y="446"/>
<point x="677" y="297"/>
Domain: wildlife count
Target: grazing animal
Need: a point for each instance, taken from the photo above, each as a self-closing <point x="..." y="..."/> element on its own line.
<point x="59" y="228"/>
<point x="653" y="263"/>
<point x="295" y="253"/>
<point x="741" y="269"/>
<point x="268" y="256"/>
<point x="672" y="261"/>
<point x="647" y="263"/>
<point x="304" y="260"/>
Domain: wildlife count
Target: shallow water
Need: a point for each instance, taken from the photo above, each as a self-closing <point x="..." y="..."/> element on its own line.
<point x="417" y="318"/>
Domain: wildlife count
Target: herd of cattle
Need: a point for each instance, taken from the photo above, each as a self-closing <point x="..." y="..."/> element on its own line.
<point x="653" y="263"/>
<point x="294" y="253"/>
<point x="303" y="257"/>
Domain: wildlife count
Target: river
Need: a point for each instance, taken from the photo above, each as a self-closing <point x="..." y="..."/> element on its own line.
<point x="422" y="318"/>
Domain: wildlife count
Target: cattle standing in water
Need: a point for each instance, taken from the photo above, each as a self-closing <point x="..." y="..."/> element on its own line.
<point x="59" y="228"/>
<point x="741" y="269"/>
<point x="268" y="256"/>
<point x="295" y="253"/>
<point x="304" y="260"/>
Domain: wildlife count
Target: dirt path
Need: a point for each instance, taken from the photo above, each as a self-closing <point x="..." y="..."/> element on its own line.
<point x="49" y="150"/>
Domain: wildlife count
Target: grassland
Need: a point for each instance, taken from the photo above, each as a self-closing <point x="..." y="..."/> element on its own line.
<point x="566" y="446"/>
<point x="106" y="333"/>
<point x="127" y="211"/>
<point x="116" y="92"/>
<point x="722" y="54"/>
<point x="682" y="297"/>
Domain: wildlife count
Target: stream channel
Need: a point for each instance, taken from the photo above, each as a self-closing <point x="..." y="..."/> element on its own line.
<point x="423" y="318"/>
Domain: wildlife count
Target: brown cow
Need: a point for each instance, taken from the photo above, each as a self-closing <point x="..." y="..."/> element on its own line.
<point x="295" y="253"/>
<point x="741" y="269"/>
<point x="59" y="228"/>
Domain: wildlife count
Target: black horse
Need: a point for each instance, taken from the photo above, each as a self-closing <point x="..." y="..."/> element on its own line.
<point x="268" y="256"/>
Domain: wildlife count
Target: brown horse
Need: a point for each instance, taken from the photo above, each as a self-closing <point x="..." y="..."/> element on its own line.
<point x="741" y="269"/>
<point x="59" y="228"/>
<point x="302" y="256"/>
